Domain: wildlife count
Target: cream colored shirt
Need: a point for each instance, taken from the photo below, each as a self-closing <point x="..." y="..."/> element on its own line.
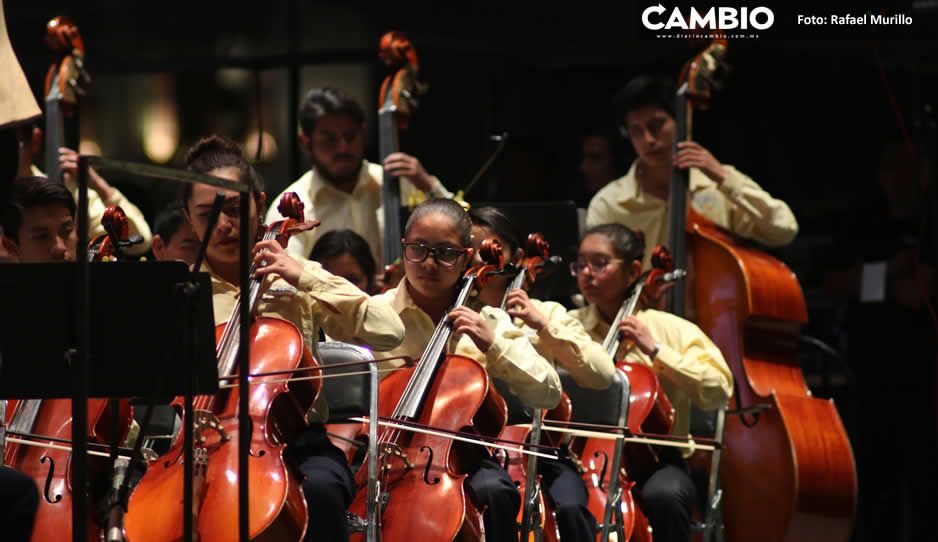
<point x="320" y="299"/>
<point x="360" y="211"/>
<point x="512" y="358"/>
<point x="96" y="206"/>
<point x="689" y="366"/>
<point x="565" y="342"/>
<point x="738" y="204"/>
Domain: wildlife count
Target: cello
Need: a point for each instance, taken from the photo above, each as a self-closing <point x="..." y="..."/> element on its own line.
<point x="426" y="471"/>
<point x="649" y="410"/>
<point x="397" y="100"/>
<point x="38" y="426"/>
<point x="278" y="410"/>
<point x="788" y="471"/>
<point x="65" y="83"/>
<point x="535" y="517"/>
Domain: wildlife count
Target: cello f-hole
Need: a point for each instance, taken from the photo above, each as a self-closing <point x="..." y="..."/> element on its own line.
<point x="426" y="470"/>
<point x="602" y="469"/>
<point x="48" y="485"/>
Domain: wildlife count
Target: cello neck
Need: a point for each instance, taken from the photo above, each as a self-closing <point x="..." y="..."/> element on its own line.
<point x="227" y="351"/>
<point x="516" y="283"/>
<point x="680" y="181"/>
<point x="613" y="336"/>
<point x="412" y="399"/>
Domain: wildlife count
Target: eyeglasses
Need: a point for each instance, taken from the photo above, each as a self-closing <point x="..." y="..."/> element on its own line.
<point x="596" y="264"/>
<point x="445" y="256"/>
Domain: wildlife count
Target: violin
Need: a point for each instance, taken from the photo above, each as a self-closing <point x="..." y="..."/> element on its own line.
<point x="425" y="471"/>
<point x="38" y="427"/>
<point x="397" y="102"/>
<point x="66" y="81"/>
<point x="788" y="470"/>
<point x="278" y="411"/>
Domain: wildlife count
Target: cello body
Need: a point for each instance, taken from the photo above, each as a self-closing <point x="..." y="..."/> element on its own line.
<point x="277" y="505"/>
<point x="788" y="471"/>
<point x="51" y="468"/>
<point x="428" y="501"/>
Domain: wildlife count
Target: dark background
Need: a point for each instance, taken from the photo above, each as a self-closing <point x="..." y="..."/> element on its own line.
<point x="805" y="119"/>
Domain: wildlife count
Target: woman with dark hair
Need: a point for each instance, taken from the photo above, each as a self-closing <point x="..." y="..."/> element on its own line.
<point x="560" y="339"/>
<point x="302" y="293"/>
<point x="344" y="253"/>
<point x="437" y="251"/>
<point x="690" y="366"/>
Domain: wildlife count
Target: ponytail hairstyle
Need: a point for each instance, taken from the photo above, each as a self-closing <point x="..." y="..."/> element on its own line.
<point x="448" y="208"/>
<point x="627" y="244"/>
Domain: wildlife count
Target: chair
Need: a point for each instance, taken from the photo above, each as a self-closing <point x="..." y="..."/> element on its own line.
<point x="604" y="407"/>
<point x="352" y="392"/>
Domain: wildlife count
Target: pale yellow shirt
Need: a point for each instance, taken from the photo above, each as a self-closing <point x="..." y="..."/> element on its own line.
<point x="738" y="204"/>
<point x="360" y="211"/>
<point x="512" y="358"/>
<point x="689" y="366"/>
<point x="96" y="207"/>
<point x="321" y="299"/>
<point x="565" y="342"/>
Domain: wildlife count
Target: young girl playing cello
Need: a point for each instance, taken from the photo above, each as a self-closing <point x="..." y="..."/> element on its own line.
<point x="690" y="367"/>
<point x="437" y="250"/>
<point x="560" y="338"/>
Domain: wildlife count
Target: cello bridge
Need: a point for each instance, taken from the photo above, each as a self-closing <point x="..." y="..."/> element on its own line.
<point x="390" y="450"/>
<point x="205" y="420"/>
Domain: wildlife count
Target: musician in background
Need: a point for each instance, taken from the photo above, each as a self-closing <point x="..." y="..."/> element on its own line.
<point x="601" y="162"/>
<point x="101" y="195"/>
<point x="39" y="222"/>
<point x="346" y="254"/>
<point x="883" y="269"/>
<point x="19" y="499"/>
<point x="301" y="292"/>
<point x="437" y="250"/>
<point x="717" y="191"/>
<point x="174" y="238"/>
<point x="343" y="190"/>
<point x="560" y="339"/>
<point x="690" y="367"/>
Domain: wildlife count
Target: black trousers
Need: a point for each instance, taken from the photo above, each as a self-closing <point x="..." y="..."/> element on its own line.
<point x="566" y="489"/>
<point x="667" y="498"/>
<point x="328" y="485"/>
<point x="19" y="499"/>
<point x="491" y="489"/>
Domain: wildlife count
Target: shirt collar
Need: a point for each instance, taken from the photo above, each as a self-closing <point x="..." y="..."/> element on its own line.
<point x="400" y="298"/>
<point x="318" y="183"/>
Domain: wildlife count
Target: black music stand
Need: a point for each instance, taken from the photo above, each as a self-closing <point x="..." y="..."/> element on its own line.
<point x="138" y="331"/>
<point x="142" y="336"/>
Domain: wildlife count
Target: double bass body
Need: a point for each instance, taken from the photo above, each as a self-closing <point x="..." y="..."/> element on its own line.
<point x="787" y="470"/>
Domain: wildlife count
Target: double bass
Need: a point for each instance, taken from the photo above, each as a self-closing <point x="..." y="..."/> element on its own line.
<point x="788" y="471"/>
<point x="425" y="471"/>
<point x="38" y="427"/>
<point x="277" y="508"/>
<point x="397" y="101"/>
<point x="65" y="83"/>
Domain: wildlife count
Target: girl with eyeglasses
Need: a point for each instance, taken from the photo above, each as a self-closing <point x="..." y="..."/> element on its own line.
<point x="690" y="367"/>
<point x="560" y="338"/>
<point x="437" y="250"/>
